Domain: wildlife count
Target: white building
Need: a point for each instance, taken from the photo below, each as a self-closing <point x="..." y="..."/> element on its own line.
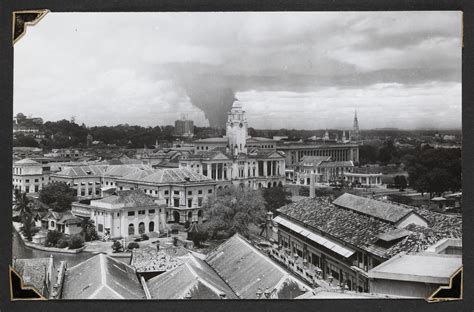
<point x="237" y="159"/>
<point x="128" y="213"/>
<point x="28" y="176"/>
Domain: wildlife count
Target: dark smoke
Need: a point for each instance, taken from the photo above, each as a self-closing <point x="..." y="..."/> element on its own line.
<point x="214" y="100"/>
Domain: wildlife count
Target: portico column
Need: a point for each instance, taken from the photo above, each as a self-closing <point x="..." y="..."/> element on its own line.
<point x="264" y="168"/>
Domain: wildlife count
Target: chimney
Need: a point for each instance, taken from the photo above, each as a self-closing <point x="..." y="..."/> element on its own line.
<point x="269" y="226"/>
<point x="312" y="192"/>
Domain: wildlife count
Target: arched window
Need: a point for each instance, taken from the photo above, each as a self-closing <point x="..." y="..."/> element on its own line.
<point x="151" y="226"/>
<point x="176" y="216"/>
<point x="131" y="229"/>
<point x="141" y="228"/>
<point x="269" y="184"/>
<point x="190" y="216"/>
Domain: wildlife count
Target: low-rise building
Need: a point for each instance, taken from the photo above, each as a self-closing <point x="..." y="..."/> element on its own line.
<point x="183" y="191"/>
<point x="84" y="180"/>
<point x="418" y="275"/>
<point x="28" y="176"/>
<point x="125" y="214"/>
<point x="38" y="273"/>
<point x="341" y="241"/>
<point x="323" y="167"/>
<point x="63" y="222"/>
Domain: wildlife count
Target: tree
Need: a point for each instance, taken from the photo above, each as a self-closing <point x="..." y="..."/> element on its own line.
<point x="117" y="246"/>
<point x="52" y="238"/>
<point x="233" y="210"/>
<point x="76" y="241"/>
<point x="133" y="245"/>
<point x="400" y="182"/>
<point x="276" y="197"/>
<point x="23" y="206"/>
<point x="57" y="195"/>
<point x="88" y="230"/>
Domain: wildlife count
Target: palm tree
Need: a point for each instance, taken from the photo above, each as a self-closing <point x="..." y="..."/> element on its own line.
<point x="23" y="206"/>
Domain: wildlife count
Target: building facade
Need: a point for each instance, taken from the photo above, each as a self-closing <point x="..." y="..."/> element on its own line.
<point x="237" y="159"/>
<point x="324" y="169"/>
<point x="28" y="176"/>
<point x="125" y="214"/>
<point x="184" y="128"/>
<point x="341" y="241"/>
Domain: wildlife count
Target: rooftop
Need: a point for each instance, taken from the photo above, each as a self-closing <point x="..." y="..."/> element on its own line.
<point x="192" y="277"/>
<point x="423" y="268"/>
<point x="128" y="198"/>
<point x="246" y="270"/>
<point x="371" y="207"/>
<point x="82" y="171"/>
<point x="27" y="161"/>
<point x="101" y="277"/>
<point x="34" y="272"/>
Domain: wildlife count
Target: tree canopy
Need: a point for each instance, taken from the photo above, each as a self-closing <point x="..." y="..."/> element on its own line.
<point x="435" y="170"/>
<point x="276" y="197"/>
<point x="57" y="195"/>
<point x="233" y="210"/>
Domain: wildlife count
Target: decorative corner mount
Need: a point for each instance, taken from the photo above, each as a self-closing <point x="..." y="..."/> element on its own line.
<point x="22" y="19"/>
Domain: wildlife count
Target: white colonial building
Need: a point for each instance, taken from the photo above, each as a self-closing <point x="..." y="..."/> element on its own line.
<point x="237" y="159"/>
<point x="125" y="214"/>
<point x="28" y="176"/>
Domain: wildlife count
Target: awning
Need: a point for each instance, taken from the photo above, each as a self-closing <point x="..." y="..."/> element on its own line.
<point x="323" y="241"/>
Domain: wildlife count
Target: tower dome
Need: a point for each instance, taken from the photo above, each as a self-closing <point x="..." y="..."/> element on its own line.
<point x="237" y="104"/>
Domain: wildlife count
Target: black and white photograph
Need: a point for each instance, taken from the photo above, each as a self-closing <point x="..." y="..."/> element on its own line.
<point x="237" y="155"/>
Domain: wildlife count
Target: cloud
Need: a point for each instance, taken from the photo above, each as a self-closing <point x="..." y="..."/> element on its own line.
<point x="150" y="68"/>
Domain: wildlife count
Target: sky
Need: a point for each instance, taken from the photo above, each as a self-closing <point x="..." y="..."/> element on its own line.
<point x="298" y="70"/>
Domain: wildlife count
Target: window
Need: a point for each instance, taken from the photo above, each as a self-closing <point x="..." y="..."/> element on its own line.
<point x="100" y="227"/>
<point x="107" y="183"/>
<point x="199" y="201"/>
<point x="151" y="211"/>
<point x="27" y="180"/>
<point x="190" y="203"/>
<point x="141" y="212"/>
<point x="167" y="192"/>
<point x="209" y="191"/>
<point x="36" y="188"/>
<point x="52" y="223"/>
<point x="36" y="180"/>
<point x="131" y="213"/>
<point x="200" y="192"/>
<point x="156" y="192"/>
<point x="118" y="214"/>
<point x="27" y="189"/>
<point x="97" y="191"/>
<point x="176" y="192"/>
<point x="190" y="192"/>
<point x="176" y="202"/>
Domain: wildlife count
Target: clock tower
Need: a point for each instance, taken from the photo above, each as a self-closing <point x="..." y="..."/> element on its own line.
<point x="236" y="130"/>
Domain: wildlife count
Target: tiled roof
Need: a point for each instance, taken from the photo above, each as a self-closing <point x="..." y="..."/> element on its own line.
<point x="34" y="272"/>
<point x="245" y="270"/>
<point x="101" y="277"/>
<point x="148" y="259"/>
<point x="194" y="278"/>
<point x="371" y="207"/>
<point x="82" y="171"/>
<point x="139" y="175"/>
<point x="362" y="231"/>
<point x="130" y="198"/>
<point x="175" y="175"/>
<point x="347" y="225"/>
<point x="207" y="154"/>
<point x="124" y="170"/>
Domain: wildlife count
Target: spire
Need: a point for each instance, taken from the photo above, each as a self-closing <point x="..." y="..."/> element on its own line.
<point x="355" y="135"/>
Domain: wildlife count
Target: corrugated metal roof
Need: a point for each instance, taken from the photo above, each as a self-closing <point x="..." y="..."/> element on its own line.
<point x="323" y="241"/>
<point x="245" y="270"/>
<point x="194" y="278"/>
<point x="101" y="277"/>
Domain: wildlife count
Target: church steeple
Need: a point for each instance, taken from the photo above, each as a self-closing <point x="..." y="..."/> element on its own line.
<point x="355" y="135"/>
